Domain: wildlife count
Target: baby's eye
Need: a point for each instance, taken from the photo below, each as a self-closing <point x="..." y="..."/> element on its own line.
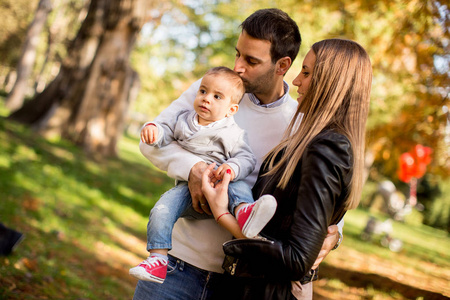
<point x="217" y="97"/>
<point x="202" y="91"/>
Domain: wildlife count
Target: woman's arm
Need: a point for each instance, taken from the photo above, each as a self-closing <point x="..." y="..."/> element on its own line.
<point x="217" y="195"/>
<point x="326" y="169"/>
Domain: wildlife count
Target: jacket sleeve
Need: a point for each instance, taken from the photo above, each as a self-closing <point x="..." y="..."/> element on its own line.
<point x="172" y="158"/>
<point x="325" y="169"/>
<point x="167" y="127"/>
<point x="242" y="159"/>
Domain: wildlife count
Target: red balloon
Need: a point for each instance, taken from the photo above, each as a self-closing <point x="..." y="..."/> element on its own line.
<point x="423" y="154"/>
<point x="414" y="163"/>
<point x="407" y="168"/>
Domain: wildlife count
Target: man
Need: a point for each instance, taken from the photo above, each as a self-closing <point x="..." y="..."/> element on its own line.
<point x="267" y="46"/>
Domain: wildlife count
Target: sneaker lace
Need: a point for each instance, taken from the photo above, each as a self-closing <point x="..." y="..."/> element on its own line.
<point x="153" y="261"/>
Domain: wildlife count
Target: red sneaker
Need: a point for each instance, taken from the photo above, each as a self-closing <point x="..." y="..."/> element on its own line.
<point x="152" y="269"/>
<point x="253" y="217"/>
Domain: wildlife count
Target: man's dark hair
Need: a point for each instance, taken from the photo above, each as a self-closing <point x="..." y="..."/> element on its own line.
<point x="275" y="26"/>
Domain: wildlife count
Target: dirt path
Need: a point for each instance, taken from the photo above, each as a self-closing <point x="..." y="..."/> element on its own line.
<point x="361" y="272"/>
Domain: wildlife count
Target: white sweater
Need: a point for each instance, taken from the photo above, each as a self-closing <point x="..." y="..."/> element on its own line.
<point x="199" y="243"/>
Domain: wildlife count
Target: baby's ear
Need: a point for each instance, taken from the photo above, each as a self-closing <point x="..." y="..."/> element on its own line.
<point x="232" y="109"/>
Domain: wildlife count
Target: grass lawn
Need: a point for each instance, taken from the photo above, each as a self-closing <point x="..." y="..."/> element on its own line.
<point x="85" y="226"/>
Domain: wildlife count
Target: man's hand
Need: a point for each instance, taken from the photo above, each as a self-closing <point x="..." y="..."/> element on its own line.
<point x="330" y="241"/>
<point x="199" y="202"/>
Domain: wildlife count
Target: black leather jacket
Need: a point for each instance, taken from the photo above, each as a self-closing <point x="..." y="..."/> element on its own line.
<point x="313" y="200"/>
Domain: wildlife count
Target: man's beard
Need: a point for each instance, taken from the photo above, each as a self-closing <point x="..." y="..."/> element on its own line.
<point x="262" y="85"/>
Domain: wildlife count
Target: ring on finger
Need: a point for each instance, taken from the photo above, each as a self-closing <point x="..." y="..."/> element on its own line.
<point x="202" y="204"/>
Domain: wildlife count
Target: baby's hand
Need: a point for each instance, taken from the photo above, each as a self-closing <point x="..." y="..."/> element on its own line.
<point x="218" y="173"/>
<point x="149" y="134"/>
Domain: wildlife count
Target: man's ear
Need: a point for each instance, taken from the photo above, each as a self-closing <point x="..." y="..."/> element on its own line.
<point x="283" y="65"/>
<point x="232" y="109"/>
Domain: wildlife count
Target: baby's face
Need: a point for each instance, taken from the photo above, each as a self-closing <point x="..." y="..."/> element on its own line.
<point x="213" y="100"/>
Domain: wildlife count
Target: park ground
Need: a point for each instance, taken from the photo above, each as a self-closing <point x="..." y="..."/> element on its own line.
<point x="85" y="221"/>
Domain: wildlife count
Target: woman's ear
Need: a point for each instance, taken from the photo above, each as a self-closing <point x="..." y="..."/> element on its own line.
<point x="232" y="109"/>
<point x="283" y="65"/>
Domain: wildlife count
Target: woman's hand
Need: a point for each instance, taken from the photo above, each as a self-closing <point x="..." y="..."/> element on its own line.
<point x="216" y="192"/>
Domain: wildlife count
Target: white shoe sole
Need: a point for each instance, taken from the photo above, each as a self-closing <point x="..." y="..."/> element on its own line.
<point x="261" y="214"/>
<point x="141" y="274"/>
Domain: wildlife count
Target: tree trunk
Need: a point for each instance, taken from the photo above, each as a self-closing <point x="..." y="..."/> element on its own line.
<point x="28" y="56"/>
<point x="87" y="101"/>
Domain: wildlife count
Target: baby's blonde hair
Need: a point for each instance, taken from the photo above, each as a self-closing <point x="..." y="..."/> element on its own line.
<point x="232" y="76"/>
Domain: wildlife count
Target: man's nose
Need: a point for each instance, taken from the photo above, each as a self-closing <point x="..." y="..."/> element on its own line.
<point x="238" y="65"/>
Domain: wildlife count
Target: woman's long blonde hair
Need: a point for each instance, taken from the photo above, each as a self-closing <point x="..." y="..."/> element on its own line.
<point x="338" y="98"/>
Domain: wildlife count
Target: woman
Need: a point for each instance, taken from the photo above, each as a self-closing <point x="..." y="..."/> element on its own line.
<point x="315" y="173"/>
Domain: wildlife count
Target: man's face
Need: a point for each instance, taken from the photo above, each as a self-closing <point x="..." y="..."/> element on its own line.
<point x="254" y="64"/>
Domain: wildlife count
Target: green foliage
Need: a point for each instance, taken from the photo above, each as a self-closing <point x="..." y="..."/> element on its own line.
<point x="402" y="38"/>
<point x="61" y="26"/>
<point x="178" y="46"/>
<point x="16" y="15"/>
<point x="183" y="39"/>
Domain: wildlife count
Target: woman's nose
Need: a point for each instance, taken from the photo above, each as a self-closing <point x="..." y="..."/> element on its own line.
<point x="297" y="81"/>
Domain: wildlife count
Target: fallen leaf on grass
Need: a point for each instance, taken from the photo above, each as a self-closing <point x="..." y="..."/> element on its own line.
<point x="30" y="264"/>
<point x="31" y="203"/>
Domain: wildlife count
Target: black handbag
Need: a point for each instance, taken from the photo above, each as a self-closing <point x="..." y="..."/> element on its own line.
<point x="251" y="257"/>
<point x="258" y="258"/>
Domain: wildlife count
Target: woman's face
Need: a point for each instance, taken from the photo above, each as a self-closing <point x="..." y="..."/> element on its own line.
<point x="304" y="78"/>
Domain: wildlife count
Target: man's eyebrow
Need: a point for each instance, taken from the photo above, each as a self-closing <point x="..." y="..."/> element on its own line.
<point x="249" y="57"/>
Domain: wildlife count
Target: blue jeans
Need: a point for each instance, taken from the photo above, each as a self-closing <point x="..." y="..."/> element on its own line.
<point x="176" y="203"/>
<point x="184" y="281"/>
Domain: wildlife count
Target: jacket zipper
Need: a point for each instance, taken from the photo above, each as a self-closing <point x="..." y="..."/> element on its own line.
<point x="233" y="267"/>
